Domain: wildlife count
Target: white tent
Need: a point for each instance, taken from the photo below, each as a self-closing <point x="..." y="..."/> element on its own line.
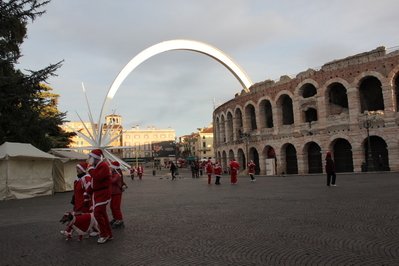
<point x="25" y="171"/>
<point x="64" y="169"/>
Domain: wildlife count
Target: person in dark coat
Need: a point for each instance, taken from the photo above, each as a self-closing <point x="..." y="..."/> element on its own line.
<point x="330" y="170"/>
<point x="173" y="169"/>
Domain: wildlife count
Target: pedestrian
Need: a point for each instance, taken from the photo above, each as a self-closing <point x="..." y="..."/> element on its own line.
<point x="101" y="193"/>
<point x="132" y="170"/>
<point x="80" y="185"/>
<point x="140" y="171"/>
<point x="173" y="169"/>
<point x="234" y="167"/>
<point x="193" y="170"/>
<point x="201" y="168"/>
<point x="251" y="170"/>
<point x="330" y="170"/>
<point x="116" y="195"/>
<point x="380" y="162"/>
<point x="209" y="171"/>
<point x="218" y="172"/>
<point x="197" y="167"/>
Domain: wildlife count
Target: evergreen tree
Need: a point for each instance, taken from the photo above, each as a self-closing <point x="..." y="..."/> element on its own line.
<point x="28" y="112"/>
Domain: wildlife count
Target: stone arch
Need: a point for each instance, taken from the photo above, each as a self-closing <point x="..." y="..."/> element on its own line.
<point x="265" y="114"/>
<point x="370" y="92"/>
<point x="337" y="98"/>
<point x="378" y="147"/>
<point x="238" y="123"/>
<point x="172" y="45"/>
<point x="254" y="155"/>
<point x="241" y="158"/>
<point x="250" y="117"/>
<point x="291" y="160"/>
<point x="343" y="157"/>
<point x="314" y="158"/>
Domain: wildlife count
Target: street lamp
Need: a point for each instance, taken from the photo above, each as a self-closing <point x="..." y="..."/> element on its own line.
<point x="367" y="125"/>
<point x="246" y="136"/>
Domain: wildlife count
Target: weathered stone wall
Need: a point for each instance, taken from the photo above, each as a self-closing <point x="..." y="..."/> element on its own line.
<point x="333" y="122"/>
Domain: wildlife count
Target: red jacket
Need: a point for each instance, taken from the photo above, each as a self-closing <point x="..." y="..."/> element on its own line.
<point x="209" y="168"/>
<point x="116" y="183"/>
<point x="100" y="183"/>
<point x="218" y="169"/>
<point x="251" y="168"/>
<point x="234" y="167"/>
<point x="80" y="185"/>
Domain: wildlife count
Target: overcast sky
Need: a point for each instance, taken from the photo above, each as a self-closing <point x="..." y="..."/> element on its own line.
<point x="268" y="39"/>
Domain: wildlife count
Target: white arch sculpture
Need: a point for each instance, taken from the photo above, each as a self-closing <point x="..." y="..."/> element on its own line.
<point x="171" y="45"/>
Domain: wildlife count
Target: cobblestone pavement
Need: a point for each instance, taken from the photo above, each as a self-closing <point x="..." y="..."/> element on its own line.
<point x="293" y="220"/>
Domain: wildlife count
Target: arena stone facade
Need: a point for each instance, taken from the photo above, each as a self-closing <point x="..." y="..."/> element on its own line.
<point x="298" y="120"/>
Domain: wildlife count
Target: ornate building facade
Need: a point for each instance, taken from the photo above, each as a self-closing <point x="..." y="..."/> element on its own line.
<point x="349" y="107"/>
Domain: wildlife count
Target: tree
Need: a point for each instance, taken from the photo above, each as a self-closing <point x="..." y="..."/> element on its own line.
<point x="28" y="112"/>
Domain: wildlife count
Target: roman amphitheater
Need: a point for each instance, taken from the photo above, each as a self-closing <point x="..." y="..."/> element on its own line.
<point x="348" y="107"/>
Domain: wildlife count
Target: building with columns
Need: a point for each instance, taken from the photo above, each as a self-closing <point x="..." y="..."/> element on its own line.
<point x="348" y="107"/>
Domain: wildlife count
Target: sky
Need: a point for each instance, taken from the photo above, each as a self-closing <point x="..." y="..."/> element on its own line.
<point x="179" y="89"/>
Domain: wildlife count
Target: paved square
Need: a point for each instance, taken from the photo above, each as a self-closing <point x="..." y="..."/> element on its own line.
<point x="293" y="220"/>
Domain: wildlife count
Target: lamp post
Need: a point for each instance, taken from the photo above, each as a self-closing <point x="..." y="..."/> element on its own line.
<point x="246" y="136"/>
<point x="367" y="125"/>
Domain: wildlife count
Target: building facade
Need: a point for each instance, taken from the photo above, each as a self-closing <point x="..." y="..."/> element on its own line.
<point x="199" y="144"/>
<point x="348" y="107"/>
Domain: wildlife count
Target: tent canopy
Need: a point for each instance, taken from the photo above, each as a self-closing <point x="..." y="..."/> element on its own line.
<point x="13" y="149"/>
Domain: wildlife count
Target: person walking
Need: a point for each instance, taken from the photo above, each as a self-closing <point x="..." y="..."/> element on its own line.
<point x="80" y="185"/>
<point x="218" y="172"/>
<point x="101" y="193"/>
<point x="173" y="169"/>
<point x="330" y="170"/>
<point x="234" y="167"/>
<point x="140" y="171"/>
<point x="116" y="195"/>
<point x="132" y="170"/>
<point x="251" y="170"/>
<point x="209" y="171"/>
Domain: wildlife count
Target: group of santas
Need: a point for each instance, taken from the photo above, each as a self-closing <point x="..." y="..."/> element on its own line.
<point x="139" y="170"/>
<point x="96" y="186"/>
<point x="234" y="168"/>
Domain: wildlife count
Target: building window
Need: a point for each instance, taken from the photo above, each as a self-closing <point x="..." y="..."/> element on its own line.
<point x="146" y="136"/>
<point x="155" y="136"/>
<point x="203" y="137"/>
<point x="204" y="144"/>
<point x="136" y="136"/>
<point x="128" y="136"/>
<point x="163" y="136"/>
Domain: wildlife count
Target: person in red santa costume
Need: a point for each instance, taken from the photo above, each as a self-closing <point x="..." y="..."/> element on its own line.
<point x="251" y="170"/>
<point x="209" y="171"/>
<point x="218" y="172"/>
<point x="80" y="185"/>
<point x="116" y="195"/>
<point x="140" y="171"/>
<point x="101" y="193"/>
<point x="234" y="167"/>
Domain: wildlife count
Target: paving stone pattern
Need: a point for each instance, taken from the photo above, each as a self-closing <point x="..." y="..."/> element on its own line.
<point x="292" y="220"/>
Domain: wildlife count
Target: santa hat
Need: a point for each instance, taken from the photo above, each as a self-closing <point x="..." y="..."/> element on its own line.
<point x="115" y="165"/>
<point x="82" y="166"/>
<point x="96" y="154"/>
<point x="328" y="153"/>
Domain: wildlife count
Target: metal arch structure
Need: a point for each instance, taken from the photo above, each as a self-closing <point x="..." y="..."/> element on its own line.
<point x="171" y="45"/>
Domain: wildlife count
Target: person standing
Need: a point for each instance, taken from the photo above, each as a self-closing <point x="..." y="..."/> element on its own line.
<point x="209" y="171"/>
<point x="173" y="169"/>
<point x="132" y="170"/>
<point x="116" y="195"/>
<point x="140" y="171"/>
<point x="330" y="170"/>
<point x="218" y="172"/>
<point x="101" y="193"/>
<point x="234" y="167"/>
<point x="251" y="170"/>
<point x="380" y="163"/>
<point x="80" y="185"/>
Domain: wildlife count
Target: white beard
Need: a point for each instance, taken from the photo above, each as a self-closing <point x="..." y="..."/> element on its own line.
<point x="91" y="161"/>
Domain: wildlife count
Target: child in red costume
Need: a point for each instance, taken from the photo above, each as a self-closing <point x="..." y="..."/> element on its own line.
<point x="218" y="171"/>
<point x="80" y="185"/>
<point x="251" y="170"/>
<point x="116" y="195"/>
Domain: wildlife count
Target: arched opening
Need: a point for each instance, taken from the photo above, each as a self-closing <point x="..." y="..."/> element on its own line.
<point x="266" y="111"/>
<point x="254" y="155"/>
<point x="224" y="162"/>
<point x="378" y="147"/>
<point x="222" y="129"/>
<point x="288" y="113"/>
<point x="343" y="156"/>
<point x="371" y="98"/>
<point x="238" y="123"/>
<point x="291" y="159"/>
<point x="250" y="112"/>
<point x="314" y="159"/>
<point x="309" y="90"/>
<point x="338" y="99"/>
<point x="242" y="161"/>
<point x="229" y="127"/>
<point x="397" y="91"/>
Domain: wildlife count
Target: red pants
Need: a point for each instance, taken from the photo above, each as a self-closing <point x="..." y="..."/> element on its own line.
<point x="115" y="205"/>
<point x="233" y="177"/>
<point x="140" y="175"/>
<point x="100" y="213"/>
<point x="209" y="178"/>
